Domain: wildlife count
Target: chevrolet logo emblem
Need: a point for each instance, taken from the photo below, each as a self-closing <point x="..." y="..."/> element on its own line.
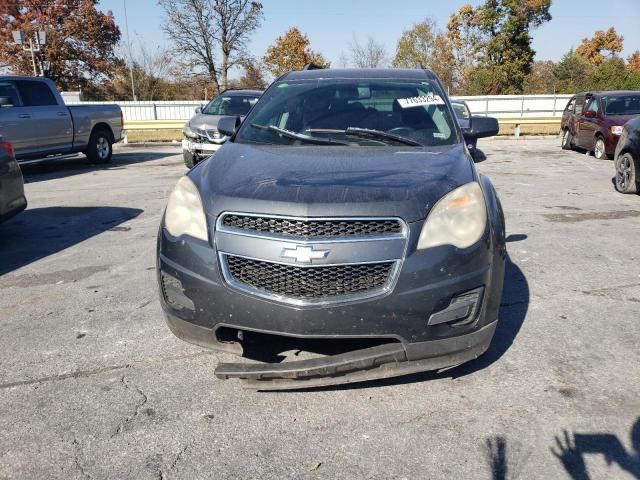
<point x="304" y="254"/>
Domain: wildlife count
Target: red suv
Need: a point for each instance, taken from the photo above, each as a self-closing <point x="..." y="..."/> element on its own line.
<point x="594" y="121"/>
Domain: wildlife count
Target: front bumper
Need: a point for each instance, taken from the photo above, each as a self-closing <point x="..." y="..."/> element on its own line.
<point x="427" y="283"/>
<point x="200" y="148"/>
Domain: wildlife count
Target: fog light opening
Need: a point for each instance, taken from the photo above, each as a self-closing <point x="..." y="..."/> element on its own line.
<point x="462" y="309"/>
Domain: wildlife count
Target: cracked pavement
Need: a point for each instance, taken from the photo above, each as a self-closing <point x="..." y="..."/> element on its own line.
<point x="93" y="384"/>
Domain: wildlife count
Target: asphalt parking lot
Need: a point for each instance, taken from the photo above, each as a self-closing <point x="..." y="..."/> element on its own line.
<point x="93" y="384"/>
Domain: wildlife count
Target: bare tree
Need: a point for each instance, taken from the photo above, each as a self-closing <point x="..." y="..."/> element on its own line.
<point x="202" y="29"/>
<point x="370" y="55"/>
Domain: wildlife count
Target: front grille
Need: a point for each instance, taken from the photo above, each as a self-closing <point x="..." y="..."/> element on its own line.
<point x="313" y="228"/>
<point x="310" y="282"/>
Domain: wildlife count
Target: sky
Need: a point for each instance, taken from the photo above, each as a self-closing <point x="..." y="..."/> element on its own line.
<point x="332" y="24"/>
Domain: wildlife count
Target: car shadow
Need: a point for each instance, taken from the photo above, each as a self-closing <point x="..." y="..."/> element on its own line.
<point x="79" y="164"/>
<point x="39" y="232"/>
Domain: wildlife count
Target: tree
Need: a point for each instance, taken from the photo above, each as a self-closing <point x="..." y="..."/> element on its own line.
<point x="80" y="39"/>
<point x="495" y="37"/>
<point x="253" y="75"/>
<point x="572" y="73"/>
<point x="633" y="62"/>
<point x="370" y="55"/>
<point x="291" y="51"/>
<point x="423" y="45"/>
<point x="592" y="48"/>
<point x="542" y="79"/>
<point x="203" y="29"/>
<point x="609" y="75"/>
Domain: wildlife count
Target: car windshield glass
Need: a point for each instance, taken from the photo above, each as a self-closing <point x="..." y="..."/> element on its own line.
<point x="230" y="105"/>
<point x="354" y="112"/>
<point x="461" y="111"/>
<point x="621" y="105"/>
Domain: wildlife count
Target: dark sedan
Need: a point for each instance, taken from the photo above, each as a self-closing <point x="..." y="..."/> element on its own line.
<point x="12" y="199"/>
<point x="594" y="121"/>
<point x="346" y="211"/>
<point x="627" y="160"/>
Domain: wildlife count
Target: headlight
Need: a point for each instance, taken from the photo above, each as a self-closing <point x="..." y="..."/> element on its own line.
<point x="188" y="132"/>
<point x="184" y="214"/>
<point x="459" y="219"/>
<point x="617" y="130"/>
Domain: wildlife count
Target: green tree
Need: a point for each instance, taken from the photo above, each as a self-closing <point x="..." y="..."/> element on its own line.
<point x="80" y="40"/>
<point x="495" y="37"/>
<point x="291" y="51"/>
<point x="632" y="82"/>
<point x="611" y="74"/>
<point x="542" y="79"/>
<point x="424" y="45"/>
<point x="572" y="73"/>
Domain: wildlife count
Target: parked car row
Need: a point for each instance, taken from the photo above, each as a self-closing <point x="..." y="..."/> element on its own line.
<point x="607" y="124"/>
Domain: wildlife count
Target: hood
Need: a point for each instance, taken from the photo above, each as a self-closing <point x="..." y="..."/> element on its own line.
<point x="204" y="122"/>
<point x="318" y="181"/>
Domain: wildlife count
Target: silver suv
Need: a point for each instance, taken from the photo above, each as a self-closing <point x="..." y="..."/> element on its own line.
<point x="201" y="135"/>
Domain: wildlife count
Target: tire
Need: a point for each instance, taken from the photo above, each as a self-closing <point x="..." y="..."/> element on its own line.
<point x="100" y="147"/>
<point x="626" y="180"/>
<point x="567" y="140"/>
<point x="189" y="159"/>
<point x="599" y="149"/>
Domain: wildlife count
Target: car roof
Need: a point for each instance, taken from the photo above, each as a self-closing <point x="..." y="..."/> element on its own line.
<point x="21" y="77"/>
<point x="610" y="92"/>
<point x="360" y="73"/>
<point x="246" y="93"/>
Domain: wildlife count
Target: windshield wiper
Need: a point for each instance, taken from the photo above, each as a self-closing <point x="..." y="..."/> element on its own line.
<point x="367" y="132"/>
<point x="298" y="136"/>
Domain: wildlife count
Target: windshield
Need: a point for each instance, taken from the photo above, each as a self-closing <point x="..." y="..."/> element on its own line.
<point x="230" y="105"/>
<point x="461" y="111"/>
<point x="621" y="105"/>
<point x="350" y="112"/>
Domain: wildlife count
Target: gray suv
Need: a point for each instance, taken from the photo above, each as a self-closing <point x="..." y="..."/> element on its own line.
<point x="343" y="216"/>
<point x="201" y="135"/>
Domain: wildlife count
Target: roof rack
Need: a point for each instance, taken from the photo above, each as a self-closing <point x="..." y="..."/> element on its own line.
<point x="312" y="66"/>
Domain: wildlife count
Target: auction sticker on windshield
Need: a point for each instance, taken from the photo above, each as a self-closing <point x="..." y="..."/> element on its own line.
<point x="420" y="101"/>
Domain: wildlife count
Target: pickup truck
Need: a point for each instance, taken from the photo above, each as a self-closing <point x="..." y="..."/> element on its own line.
<point x="34" y="118"/>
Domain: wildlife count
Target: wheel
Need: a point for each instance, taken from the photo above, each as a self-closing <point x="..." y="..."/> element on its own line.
<point x="100" y="147"/>
<point x="599" y="149"/>
<point x="567" y="140"/>
<point x="189" y="158"/>
<point x="626" y="174"/>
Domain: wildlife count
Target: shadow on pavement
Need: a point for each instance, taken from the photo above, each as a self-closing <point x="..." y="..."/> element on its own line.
<point x="77" y="165"/>
<point x="39" y="232"/>
<point x="572" y="448"/>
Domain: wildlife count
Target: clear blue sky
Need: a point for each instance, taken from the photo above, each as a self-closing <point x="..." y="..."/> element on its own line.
<point x="331" y="24"/>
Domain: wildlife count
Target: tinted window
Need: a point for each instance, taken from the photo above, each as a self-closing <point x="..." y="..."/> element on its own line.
<point x="593" y="106"/>
<point x="9" y="90"/>
<point x="230" y="105"/>
<point x="35" y="94"/>
<point x="622" y="105"/>
<point x="579" y="105"/>
<point x="325" y="108"/>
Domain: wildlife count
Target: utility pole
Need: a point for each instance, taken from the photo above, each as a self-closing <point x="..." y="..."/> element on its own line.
<point x="126" y="26"/>
<point x="31" y="45"/>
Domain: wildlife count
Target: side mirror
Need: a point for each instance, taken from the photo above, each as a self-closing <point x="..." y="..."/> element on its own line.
<point x="482" y="127"/>
<point x="5" y="102"/>
<point x="590" y="114"/>
<point x="228" y="126"/>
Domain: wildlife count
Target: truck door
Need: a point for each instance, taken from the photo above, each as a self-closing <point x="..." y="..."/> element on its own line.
<point x="10" y="120"/>
<point x="47" y="125"/>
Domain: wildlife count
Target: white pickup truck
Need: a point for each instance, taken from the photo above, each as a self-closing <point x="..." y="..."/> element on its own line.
<point x="35" y="119"/>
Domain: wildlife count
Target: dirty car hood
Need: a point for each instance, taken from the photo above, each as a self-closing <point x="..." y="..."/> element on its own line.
<point x="331" y="180"/>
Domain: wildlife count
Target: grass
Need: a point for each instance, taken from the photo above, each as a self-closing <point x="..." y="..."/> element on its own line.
<point x="168" y="135"/>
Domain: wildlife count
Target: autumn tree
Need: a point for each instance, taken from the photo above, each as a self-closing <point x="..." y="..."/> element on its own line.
<point x="541" y="79"/>
<point x="572" y="73"/>
<point x="601" y="45"/>
<point x="252" y="75"/>
<point x="371" y="54"/>
<point x="633" y="62"/>
<point x="291" y="51"/>
<point x="80" y="39"/>
<point x="211" y="35"/>
<point x="494" y="42"/>
<point x="423" y="45"/>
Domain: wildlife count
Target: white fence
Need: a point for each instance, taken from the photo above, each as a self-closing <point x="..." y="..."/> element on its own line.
<point x="497" y="106"/>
